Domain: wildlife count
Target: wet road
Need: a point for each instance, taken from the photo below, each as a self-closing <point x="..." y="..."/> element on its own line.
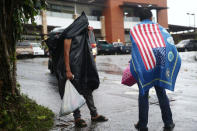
<point x="117" y="102"/>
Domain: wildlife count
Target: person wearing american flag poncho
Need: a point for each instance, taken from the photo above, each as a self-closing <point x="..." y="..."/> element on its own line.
<point x="155" y="62"/>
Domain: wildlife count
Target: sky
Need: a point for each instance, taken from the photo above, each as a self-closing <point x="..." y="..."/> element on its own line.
<point x="177" y="12"/>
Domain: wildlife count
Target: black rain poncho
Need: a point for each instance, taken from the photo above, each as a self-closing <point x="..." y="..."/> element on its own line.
<point x="82" y="63"/>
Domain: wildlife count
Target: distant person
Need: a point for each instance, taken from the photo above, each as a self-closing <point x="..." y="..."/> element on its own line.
<point x="155" y="62"/>
<point x="79" y="62"/>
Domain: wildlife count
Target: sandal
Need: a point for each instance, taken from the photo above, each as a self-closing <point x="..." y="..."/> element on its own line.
<point x="80" y="123"/>
<point x="99" y="118"/>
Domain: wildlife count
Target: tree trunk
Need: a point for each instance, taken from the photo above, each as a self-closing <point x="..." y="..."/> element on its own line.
<point x="7" y="54"/>
<point x="5" y="71"/>
<point x="13" y="13"/>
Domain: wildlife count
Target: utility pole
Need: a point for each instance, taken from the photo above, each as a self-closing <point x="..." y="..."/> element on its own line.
<point x="189" y="18"/>
<point x="194" y="22"/>
<point x="44" y="24"/>
<point x="103" y="32"/>
<point x="75" y="10"/>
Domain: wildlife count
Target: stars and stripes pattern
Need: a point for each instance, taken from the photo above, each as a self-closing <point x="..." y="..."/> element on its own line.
<point x="147" y="37"/>
<point x="160" y="54"/>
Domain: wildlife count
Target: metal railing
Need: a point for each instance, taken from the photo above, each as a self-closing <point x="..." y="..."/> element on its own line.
<point x="94" y="18"/>
<point x="59" y="14"/>
<point x="132" y="19"/>
<point x="70" y="16"/>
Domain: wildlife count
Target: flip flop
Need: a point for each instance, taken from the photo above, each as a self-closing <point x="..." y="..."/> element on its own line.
<point x="80" y="123"/>
<point x="99" y="118"/>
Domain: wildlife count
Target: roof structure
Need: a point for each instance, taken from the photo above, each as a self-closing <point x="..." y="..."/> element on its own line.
<point x="90" y="2"/>
<point x="179" y="28"/>
<point x="138" y="5"/>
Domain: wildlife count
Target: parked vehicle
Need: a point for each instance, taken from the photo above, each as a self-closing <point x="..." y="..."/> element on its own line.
<point x="187" y="45"/>
<point x="50" y="64"/>
<point x="55" y="34"/>
<point x="46" y="52"/>
<point x="93" y="43"/>
<point x="105" y="48"/>
<point x="117" y="47"/>
<point x="37" y="50"/>
<point x="126" y="49"/>
<point x="45" y="48"/>
<point x="120" y="48"/>
<point x="24" y="49"/>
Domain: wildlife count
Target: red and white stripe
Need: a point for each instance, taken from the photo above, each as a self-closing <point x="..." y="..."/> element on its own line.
<point x="147" y="36"/>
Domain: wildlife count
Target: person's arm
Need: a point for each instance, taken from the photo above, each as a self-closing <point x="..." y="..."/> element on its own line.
<point x="67" y="44"/>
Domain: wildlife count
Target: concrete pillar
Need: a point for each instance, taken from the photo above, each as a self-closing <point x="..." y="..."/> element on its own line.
<point x="162" y="18"/>
<point x="103" y="34"/>
<point x="114" y="17"/>
<point x="44" y="24"/>
<point x="114" y="21"/>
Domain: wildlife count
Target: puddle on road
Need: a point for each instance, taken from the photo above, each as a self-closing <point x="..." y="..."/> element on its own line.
<point x="109" y="68"/>
<point x="131" y="93"/>
<point x="45" y="63"/>
<point x="114" y="72"/>
<point x="37" y="60"/>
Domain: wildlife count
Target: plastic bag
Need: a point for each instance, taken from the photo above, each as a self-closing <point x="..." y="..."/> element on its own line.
<point x="127" y="78"/>
<point x="72" y="100"/>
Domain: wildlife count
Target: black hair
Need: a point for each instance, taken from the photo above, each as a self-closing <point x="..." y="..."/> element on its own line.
<point x="145" y="13"/>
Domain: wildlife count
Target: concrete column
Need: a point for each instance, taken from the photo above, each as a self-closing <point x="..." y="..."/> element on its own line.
<point x="103" y="34"/>
<point x="162" y="17"/>
<point x="44" y="24"/>
<point x="114" y="21"/>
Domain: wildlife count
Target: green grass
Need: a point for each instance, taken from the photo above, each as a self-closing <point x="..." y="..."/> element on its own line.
<point x="23" y="114"/>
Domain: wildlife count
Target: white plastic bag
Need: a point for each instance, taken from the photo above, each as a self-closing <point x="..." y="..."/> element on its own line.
<point x="72" y="100"/>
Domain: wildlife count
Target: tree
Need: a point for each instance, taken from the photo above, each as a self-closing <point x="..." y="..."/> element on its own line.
<point x="13" y="15"/>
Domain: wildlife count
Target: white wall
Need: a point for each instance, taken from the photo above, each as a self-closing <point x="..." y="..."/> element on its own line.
<point x="62" y="19"/>
<point x="128" y="25"/>
<point x="65" y="20"/>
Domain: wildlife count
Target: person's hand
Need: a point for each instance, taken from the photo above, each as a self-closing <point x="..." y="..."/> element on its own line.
<point x="69" y="75"/>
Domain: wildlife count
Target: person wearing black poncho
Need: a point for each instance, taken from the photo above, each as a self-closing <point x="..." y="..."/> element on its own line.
<point x="73" y="57"/>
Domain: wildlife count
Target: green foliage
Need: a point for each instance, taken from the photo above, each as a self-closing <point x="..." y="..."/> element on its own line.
<point x="44" y="45"/>
<point x="13" y="58"/>
<point x="24" y="11"/>
<point x="21" y="113"/>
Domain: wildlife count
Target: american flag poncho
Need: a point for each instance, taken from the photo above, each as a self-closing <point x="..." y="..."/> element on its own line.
<point x="155" y="60"/>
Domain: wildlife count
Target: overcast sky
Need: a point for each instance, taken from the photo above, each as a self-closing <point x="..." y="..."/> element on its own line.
<point x="178" y="9"/>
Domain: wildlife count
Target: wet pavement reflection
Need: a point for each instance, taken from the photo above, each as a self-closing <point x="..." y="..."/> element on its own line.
<point x="117" y="102"/>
